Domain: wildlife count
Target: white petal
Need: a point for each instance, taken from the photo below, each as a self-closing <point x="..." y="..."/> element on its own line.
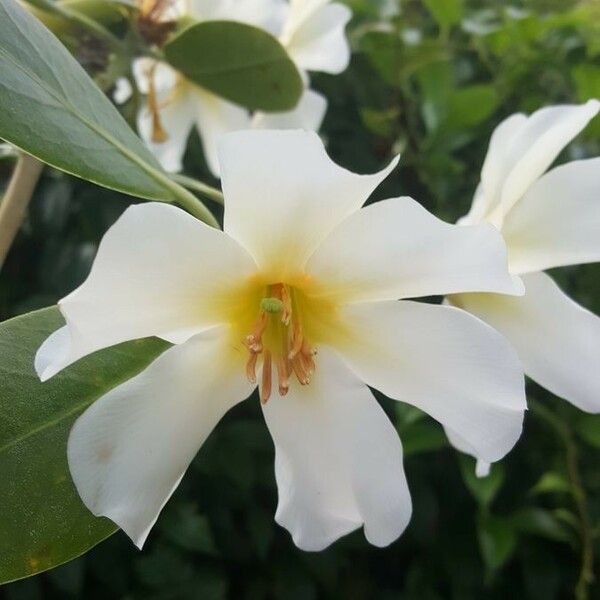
<point x="396" y="249"/>
<point x="128" y="452"/>
<point x="283" y="195"/>
<point x="482" y="467"/>
<point x="158" y="271"/>
<point x="338" y="461"/>
<point x="445" y="362"/>
<point x="177" y="119"/>
<point x="123" y="90"/>
<point x="214" y="117"/>
<point x="314" y="35"/>
<point x="163" y="76"/>
<point x="494" y="168"/>
<point x="533" y="148"/>
<point x="265" y="14"/>
<point x="308" y="114"/>
<point x="558" y="221"/>
<point x="558" y="341"/>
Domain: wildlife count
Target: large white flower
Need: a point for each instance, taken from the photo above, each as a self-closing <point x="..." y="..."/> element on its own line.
<point x="299" y="267"/>
<point x="548" y="220"/>
<point x="313" y="34"/>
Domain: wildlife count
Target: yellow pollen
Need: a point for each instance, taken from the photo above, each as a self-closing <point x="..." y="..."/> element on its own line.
<point x="278" y="337"/>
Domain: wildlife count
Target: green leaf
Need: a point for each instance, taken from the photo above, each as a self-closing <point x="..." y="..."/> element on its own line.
<point x="484" y="489"/>
<point x="540" y="522"/>
<point x="497" y="540"/>
<point x="588" y="429"/>
<point x="50" y="108"/>
<point x="423" y="436"/>
<point x="551" y="483"/>
<point x="241" y="63"/>
<point x="44" y="523"/>
<point x="470" y="106"/>
<point x="445" y="12"/>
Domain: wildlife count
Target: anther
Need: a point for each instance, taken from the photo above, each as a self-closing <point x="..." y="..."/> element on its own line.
<point x="159" y="135"/>
<point x="282" y="376"/>
<point x="265" y="388"/>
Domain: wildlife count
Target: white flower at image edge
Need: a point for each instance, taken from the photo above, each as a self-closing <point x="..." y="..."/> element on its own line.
<point x="300" y="293"/>
<point x="547" y="220"/>
<point x="312" y="32"/>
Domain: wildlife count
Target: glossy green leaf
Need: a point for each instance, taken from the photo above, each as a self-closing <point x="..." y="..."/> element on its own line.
<point x="50" y="108"/>
<point x="241" y="63"/>
<point x="44" y="523"/>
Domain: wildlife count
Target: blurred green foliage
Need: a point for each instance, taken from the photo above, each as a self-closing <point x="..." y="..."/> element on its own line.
<point x="429" y="79"/>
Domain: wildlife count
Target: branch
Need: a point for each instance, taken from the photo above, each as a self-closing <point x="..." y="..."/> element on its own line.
<point x="16" y="199"/>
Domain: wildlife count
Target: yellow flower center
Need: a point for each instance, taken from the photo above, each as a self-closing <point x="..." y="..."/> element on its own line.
<point x="287" y="325"/>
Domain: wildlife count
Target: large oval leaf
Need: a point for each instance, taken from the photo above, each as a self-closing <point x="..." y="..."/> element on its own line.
<point x="239" y="62"/>
<point x="43" y="523"/>
<point x="50" y="108"/>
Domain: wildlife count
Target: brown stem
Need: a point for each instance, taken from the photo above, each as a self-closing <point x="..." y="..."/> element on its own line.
<point x="16" y="199"/>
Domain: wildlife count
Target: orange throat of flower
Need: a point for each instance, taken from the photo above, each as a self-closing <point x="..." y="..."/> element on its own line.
<point x="279" y="338"/>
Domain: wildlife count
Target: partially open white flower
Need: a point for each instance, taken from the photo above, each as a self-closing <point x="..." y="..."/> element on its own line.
<point x="311" y="30"/>
<point x="548" y="220"/>
<point x="300" y="268"/>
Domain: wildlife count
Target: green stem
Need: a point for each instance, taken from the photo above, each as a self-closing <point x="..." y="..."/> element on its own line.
<point x="77" y="18"/>
<point x="586" y="574"/>
<point x="198" y="186"/>
<point x="189" y="202"/>
<point x="16" y="199"/>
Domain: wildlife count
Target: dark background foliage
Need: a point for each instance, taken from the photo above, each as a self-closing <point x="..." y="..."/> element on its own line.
<point x="430" y="81"/>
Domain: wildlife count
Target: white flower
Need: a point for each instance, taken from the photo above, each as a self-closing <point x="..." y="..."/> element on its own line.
<point x="547" y="220"/>
<point x="311" y="30"/>
<point x="299" y="267"/>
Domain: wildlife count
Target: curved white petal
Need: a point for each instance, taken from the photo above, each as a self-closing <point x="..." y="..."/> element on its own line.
<point x="265" y="14"/>
<point x="158" y="271"/>
<point x="558" y="221"/>
<point x="283" y="195"/>
<point x="482" y="467"/>
<point x="314" y="35"/>
<point x="128" y="452"/>
<point x="308" y="114"/>
<point x="494" y="168"/>
<point x="338" y="461"/>
<point x="531" y="149"/>
<point x="558" y="340"/>
<point x="215" y="117"/>
<point x="396" y="249"/>
<point x="445" y="362"/>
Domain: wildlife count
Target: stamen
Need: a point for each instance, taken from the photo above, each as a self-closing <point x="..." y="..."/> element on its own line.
<point x="159" y="135"/>
<point x="254" y="341"/>
<point x="265" y="389"/>
<point x="282" y="376"/>
<point x="297" y="340"/>
<point x="286" y="315"/>
<point x="300" y="370"/>
<point x="251" y="367"/>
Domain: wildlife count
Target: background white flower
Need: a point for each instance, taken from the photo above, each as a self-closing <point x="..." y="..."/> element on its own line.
<point x="312" y="32"/>
<point x="548" y="220"/>
<point x="299" y="266"/>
